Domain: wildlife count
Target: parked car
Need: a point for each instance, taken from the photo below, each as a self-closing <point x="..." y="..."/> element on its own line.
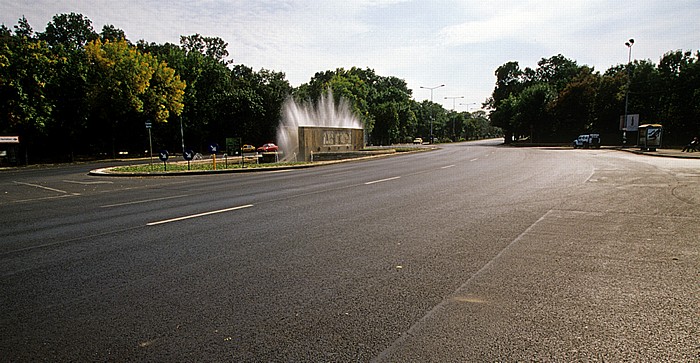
<point x="418" y="140"/>
<point x="269" y="147"/>
<point x="248" y="148"/>
<point x="587" y="140"/>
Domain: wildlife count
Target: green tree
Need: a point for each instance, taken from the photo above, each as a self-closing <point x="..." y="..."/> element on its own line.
<point x="212" y="47"/>
<point x="556" y="71"/>
<point x="387" y="124"/>
<point x="680" y="76"/>
<point x="126" y="88"/>
<point x="534" y="118"/>
<point x="112" y="34"/>
<point x="509" y="82"/>
<point x="26" y="67"/>
<point x="72" y="31"/>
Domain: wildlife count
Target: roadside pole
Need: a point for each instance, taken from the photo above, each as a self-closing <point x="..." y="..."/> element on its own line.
<point x="150" y="144"/>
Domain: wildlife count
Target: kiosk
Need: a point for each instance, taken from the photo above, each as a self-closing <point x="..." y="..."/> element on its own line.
<point x="650" y="137"/>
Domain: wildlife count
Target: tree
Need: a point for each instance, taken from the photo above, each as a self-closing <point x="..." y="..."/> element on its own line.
<point x="72" y="31"/>
<point x="26" y="67"/>
<point x="387" y="124"/>
<point x="109" y="32"/>
<point x="557" y="71"/>
<point x="23" y="29"/>
<point x="127" y="87"/>
<point x="212" y="47"/>
<point x="508" y="83"/>
<point x="533" y="112"/>
<point x="573" y="108"/>
<point x="680" y="78"/>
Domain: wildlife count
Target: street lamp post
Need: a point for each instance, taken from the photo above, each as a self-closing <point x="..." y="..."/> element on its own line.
<point x="467" y="104"/>
<point x="453" y="98"/>
<point x="629" y="45"/>
<point x="431" y="114"/>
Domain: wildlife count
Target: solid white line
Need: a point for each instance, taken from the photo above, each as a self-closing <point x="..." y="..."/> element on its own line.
<point x="43" y="187"/>
<point x="88" y="183"/>
<point x="439" y="307"/>
<point x="143" y="201"/>
<point x="199" y="215"/>
<point x="448" y="166"/>
<point x="382" y="180"/>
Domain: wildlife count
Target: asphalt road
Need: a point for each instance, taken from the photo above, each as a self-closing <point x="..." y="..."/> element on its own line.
<point x="470" y="253"/>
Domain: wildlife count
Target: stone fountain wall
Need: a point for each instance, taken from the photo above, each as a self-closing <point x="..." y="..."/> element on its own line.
<point x="319" y="140"/>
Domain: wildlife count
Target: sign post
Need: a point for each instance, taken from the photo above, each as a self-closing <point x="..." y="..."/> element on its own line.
<point x="188" y="155"/>
<point x="628" y="123"/>
<point x="163" y="156"/>
<point x="150" y="144"/>
<point x="213" y="148"/>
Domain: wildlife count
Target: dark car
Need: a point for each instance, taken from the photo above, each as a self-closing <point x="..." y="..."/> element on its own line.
<point x="270" y="147"/>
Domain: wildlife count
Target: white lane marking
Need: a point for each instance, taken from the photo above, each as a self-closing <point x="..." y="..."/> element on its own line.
<point x="448" y="166"/>
<point x="199" y="215"/>
<point x="88" y="183"/>
<point x="143" y="201"/>
<point x="382" y="180"/>
<point x="591" y="176"/>
<point x="45" y="188"/>
<point x="441" y="306"/>
<point x="475" y="159"/>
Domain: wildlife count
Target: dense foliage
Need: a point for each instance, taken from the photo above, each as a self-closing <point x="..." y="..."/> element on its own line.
<point x="70" y="91"/>
<point x="560" y="99"/>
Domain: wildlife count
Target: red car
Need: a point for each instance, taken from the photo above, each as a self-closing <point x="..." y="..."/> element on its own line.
<point x="268" y="148"/>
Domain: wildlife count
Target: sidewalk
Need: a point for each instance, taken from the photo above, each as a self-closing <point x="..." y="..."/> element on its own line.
<point x="668" y="153"/>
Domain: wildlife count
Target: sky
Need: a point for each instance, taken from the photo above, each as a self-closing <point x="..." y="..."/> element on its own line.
<point x="426" y="43"/>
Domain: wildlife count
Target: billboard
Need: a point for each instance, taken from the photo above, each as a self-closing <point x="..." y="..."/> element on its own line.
<point x="631" y="124"/>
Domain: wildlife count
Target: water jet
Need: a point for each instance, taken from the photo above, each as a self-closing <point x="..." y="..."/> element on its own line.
<point x="325" y="127"/>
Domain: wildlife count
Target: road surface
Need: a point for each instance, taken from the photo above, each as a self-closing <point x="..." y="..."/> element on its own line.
<point x="474" y="252"/>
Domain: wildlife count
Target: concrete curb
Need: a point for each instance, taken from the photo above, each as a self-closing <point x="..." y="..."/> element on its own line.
<point x="106" y="171"/>
<point x="664" y="153"/>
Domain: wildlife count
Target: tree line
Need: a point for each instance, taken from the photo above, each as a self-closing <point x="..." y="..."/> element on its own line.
<point x="70" y="91"/>
<point x="560" y="99"/>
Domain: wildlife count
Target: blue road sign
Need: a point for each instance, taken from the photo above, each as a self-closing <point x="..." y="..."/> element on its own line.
<point x="213" y="148"/>
<point x="188" y="155"/>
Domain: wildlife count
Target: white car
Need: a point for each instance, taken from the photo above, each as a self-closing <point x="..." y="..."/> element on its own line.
<point x="587" y="141"/>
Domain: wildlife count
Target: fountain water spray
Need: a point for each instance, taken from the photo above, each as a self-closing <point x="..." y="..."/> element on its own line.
<point x="325" y="113"/>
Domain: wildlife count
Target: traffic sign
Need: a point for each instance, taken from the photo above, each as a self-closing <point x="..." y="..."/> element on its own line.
<point x="9" y="139"/>
<point x="163" y="155"/>
<point x="148" y="125"/>
<point x="188" y="155"/>
<point x="213" y="148"/>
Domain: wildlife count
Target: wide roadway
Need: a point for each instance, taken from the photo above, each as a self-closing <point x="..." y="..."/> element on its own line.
<point x="474" y="252"/>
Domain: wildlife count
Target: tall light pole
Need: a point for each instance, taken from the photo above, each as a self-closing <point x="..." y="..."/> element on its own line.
<point x="453" y="98"/>
<point x="431" y="114"/>
<point x="467" y="104"/>
<point x="629" y="45"/>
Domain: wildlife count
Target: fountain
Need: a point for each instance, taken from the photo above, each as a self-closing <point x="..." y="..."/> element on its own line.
<point x="325" y="127"/>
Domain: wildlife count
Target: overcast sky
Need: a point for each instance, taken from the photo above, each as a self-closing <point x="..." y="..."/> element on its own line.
<point x="426" y="43"/>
